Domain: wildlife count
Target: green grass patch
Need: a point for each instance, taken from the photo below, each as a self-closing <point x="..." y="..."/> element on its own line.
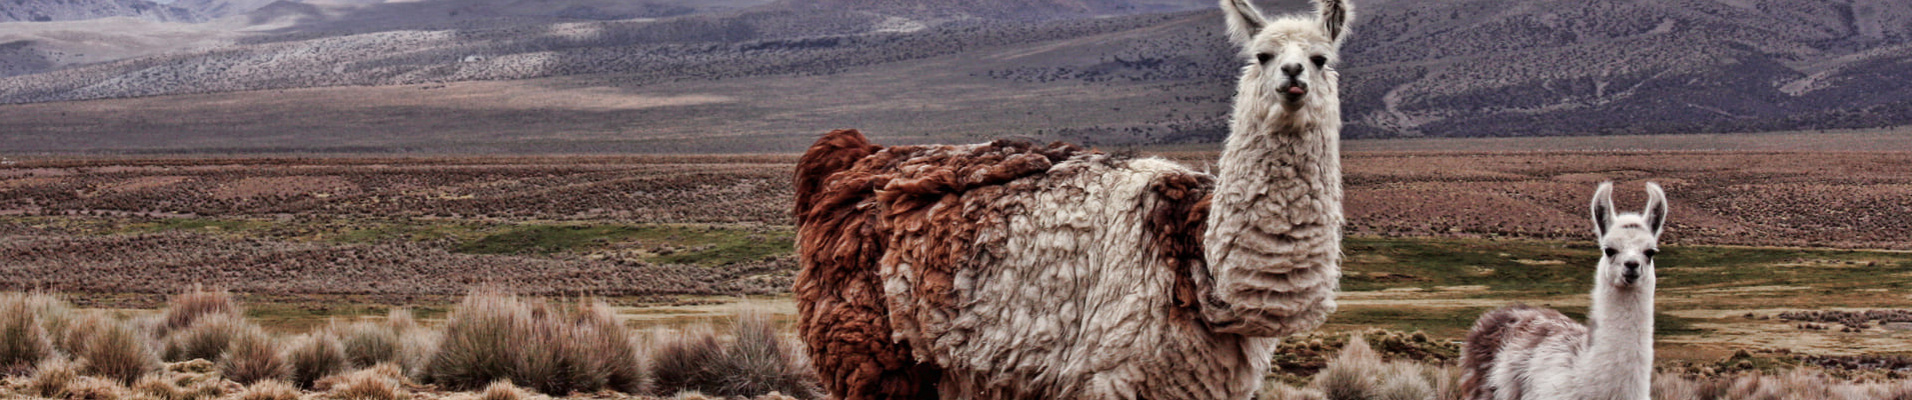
<point x="673" y="244"/>
<point x="407" y="232"/>
<point x="200" y="225"/>
<point x="547" y="239"/>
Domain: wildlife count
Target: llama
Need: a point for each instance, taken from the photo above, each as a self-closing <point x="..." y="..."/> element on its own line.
<point x="1015" y="270"/>
<point x="1524" y="352"/>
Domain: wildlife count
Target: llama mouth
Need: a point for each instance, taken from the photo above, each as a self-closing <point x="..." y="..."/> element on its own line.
<point x="1294" y="91"/>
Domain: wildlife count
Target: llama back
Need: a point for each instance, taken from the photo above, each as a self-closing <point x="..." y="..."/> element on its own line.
<point x="1012" y="270"/>
<point x="1498" y="361"/>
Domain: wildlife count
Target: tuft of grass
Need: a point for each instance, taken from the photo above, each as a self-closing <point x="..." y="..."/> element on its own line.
<point x="207" y="338"/>
<point x="1275" y="390"/>
<point x="1351" y="376"/>
<point x="186" y="309"/>
<point x="383" y="382"/>
<point x="253" y="356"/>
<point x="118" y="351"/>
<point x="1359" y="373"/>
<point x="482" y="339"/>
<point x="23" y="340"/>
<point x="418" y="346"/>
<point x="1403" y="381"/>
<point x="95" y="388"/>
<point x="52" y="377"/>
<point x="503" y="390"/>
<point x="756" y="362"/>
<point x="367" y="344"/>
<point x="682" y="359"/>
<point x="270" y="390"/>
<point x="549" y="348"/>
<point x="314" y="356"/>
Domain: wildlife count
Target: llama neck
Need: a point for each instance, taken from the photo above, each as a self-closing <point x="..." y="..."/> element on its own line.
<point x="1618" y="361"/>
<point x="1274" y="227"/>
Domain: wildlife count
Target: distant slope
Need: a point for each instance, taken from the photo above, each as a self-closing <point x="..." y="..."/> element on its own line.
<point x="1521" y="68"/>
<point x="1425" y="68"/>
<point x="1004" y="9"/>
<point x="70" y="10"/>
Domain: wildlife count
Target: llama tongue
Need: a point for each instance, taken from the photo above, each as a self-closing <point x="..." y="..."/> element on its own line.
<point x="1297" y="90"/>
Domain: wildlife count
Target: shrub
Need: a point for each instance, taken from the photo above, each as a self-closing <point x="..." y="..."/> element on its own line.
<point x="252" y="357"/>
<point x="617" y="355"/>
<point x="54" y="314"/>
<point x="52" y="377"/>
<point x="118" y="351"/>
<point x="159" y="388"/>
<point x="1445" y="379"/>
<point x="756" y="362"/>
<point x="401" y="320"/>
<point x="79" y="332"/>
<point x="482" y="339"/>
<point x="502" y="390"/>
<point x="544" y="347"/>
<point x="760" y="362"/>
<point x="1351" y="375"/>
<point x="417" y="346"/>
<point x="94" y="388"/>
<point x="1358" y="373"/>
<point x="270" y="390"/>
<point x="186" y="309"/>
<point x="1281" y="391"/>
<point x="23" y="340"/>
<point x="1403" y="381"/>
<point x="207" y="338"/>
<point x="315" y="356"/>
<point x="367" y="344"/>
<point x="377" y="383"/>
<point x="682" y="360"/>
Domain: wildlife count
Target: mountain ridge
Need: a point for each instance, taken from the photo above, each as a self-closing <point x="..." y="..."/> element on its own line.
<point x="1448" y="68"/>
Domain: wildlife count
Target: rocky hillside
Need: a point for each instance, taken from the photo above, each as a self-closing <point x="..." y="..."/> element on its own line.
<point x="70" y="10"/>
<point x="1425" y="68"/>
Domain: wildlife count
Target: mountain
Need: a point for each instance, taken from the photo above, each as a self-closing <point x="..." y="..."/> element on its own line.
<point x="1413" y="68"/>
<point x="70" y="10"/>
<point x="221" y="8"/>
<point x="1004" y="9"/>
<point x="1523" y="68"/>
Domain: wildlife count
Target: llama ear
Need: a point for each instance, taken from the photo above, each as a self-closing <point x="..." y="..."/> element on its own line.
<point x="1603" y="208"/>
<point x="1335" y="15"/>
<point x="1655" y="207"/>
<point x="1244" y="21"/>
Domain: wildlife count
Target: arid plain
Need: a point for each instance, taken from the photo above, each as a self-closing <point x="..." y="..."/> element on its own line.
<point x="1775" y="258"/>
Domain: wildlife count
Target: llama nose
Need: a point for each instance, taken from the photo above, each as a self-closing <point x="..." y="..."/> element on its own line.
<point x="1633" y="271"/>
<point x="1291" y="69"/>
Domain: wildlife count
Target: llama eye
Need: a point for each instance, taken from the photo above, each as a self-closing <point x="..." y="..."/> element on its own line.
<point x="1320" y="61"/>
<point x="1650" y="252"/>
<point x="1612" y="252"/>
<point x="1264" y="57"/>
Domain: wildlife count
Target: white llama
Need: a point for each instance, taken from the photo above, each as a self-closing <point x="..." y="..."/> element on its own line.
<point x="1523" y="352"/>
<point x="1014" y="270"/>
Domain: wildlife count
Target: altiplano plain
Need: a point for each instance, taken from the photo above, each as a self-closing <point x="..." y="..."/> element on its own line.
<point x="1436" y="236"/>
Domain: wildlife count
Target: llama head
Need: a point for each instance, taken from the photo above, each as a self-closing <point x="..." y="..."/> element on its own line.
<point x="1628" y="241"/>
<point x="1290" y="58"/>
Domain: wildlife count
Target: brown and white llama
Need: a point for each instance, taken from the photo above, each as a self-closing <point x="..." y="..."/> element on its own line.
<point x="1525" y="352"/>
<point x="1014" y="270"/>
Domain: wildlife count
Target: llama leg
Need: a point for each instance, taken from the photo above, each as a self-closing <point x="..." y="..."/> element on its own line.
<point x="849" y="343"/>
